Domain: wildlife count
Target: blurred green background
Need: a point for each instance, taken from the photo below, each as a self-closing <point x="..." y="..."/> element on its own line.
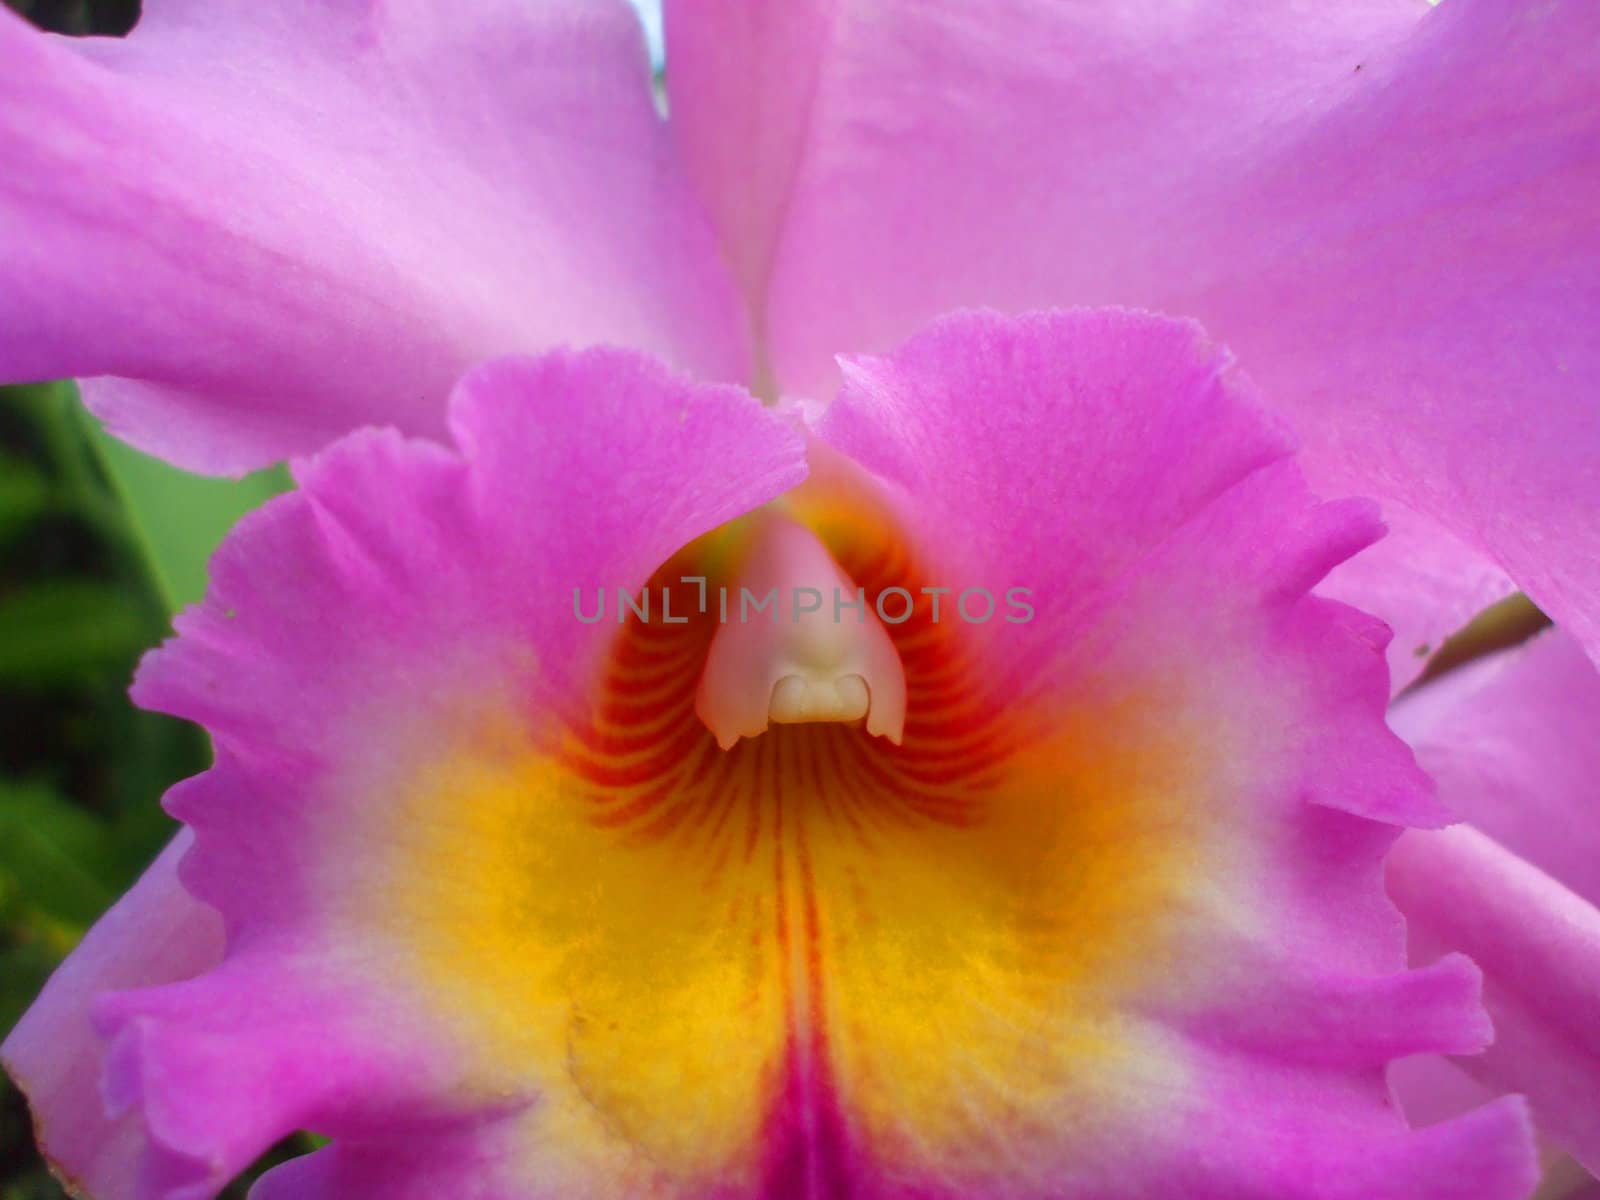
<point x="99" y="546"/>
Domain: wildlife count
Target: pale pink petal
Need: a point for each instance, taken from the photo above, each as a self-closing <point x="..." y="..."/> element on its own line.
<point x="1514" y="742"/>
<point x="877" y="162"/>
<point x="1539" y="947"/>
<point x="1385" y="209"/>
<point x="1429" y="1088"/>
<point x="1422" y="584"/>
<point x="155" y="934"/>
<point x="261" y="225"/>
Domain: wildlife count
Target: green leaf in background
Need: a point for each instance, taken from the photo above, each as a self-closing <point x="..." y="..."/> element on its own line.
<point x="24" y="497"/>
<point x="56" y="855"/>
<point x="99" y="545"/>
<point x="56" y="628"/>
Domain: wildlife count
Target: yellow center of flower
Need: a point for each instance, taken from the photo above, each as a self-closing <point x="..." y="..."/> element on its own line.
<point x="712" y="949"/>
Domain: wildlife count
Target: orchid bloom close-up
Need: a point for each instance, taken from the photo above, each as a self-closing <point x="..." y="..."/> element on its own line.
<point x="858" y="619"/>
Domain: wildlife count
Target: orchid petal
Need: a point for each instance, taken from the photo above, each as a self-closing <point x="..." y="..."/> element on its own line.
<point x="1539" y="946"/>
<point x="1107" y="918"/>
<point x="1003" y="447"/>
<point x="1430" y="1088"/>
<point x="54" y="1053"/>
<point x="260" y="226"/>
<point x="1514" y="742"/>
<point x="458" y="559"/>
<point x="216" y="1069"/>
<point x="1419" y="580"/>
<point x="155" y="934"/>
<point x="1385" y="209"/>
<point x="463" y="1164"/>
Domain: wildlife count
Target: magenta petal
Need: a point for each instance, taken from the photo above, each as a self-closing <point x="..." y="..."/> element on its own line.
<point x="265" y="225"/>
<point x="1108" y="920"/>
<point x="1118" y="464"/>
<point x="218" y="1068"/>
<point x="1385" y="209"/>
<point x="347" y="626"/>
<point x="1481" y="1155"/>
<point x="1430" y="1088"/>
<point x="462" y="1164"/>
<point x="1008" y="443"/>
<point x="155" y="934"/>
<point x="578" y="470"/>
<point x="1060" y="448"/>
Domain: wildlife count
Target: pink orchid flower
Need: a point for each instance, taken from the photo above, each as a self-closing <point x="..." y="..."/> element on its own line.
<point x="1087" y="900"/>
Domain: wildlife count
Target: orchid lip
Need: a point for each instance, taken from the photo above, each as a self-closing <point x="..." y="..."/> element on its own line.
<point x="806" y="665"/>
